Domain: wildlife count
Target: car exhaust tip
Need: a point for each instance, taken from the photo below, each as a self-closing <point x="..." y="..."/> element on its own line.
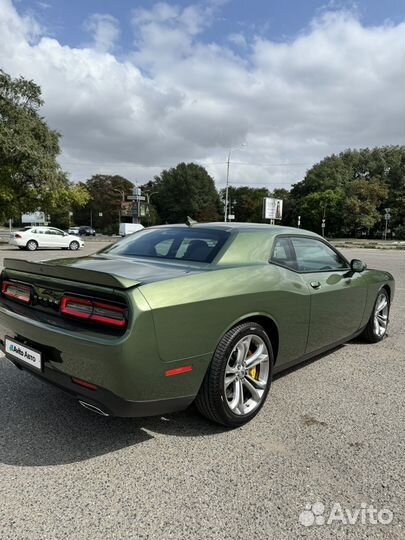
<point x="93" y="408"/>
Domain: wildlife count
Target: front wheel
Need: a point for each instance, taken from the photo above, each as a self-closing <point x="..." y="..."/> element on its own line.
<point x="74" y="246"/>
<point x="238" y="379"/>
<point x="376" y="328"/>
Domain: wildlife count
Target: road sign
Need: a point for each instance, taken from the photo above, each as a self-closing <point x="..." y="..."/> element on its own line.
<point x="231" y="216"/>
<point x="136" y="198"/>
<point x="272" y="208"/>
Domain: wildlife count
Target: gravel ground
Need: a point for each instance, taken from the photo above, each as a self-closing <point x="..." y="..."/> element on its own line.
<point x="332" y="431"/>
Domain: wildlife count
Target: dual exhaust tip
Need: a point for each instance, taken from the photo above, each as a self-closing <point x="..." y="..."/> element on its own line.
<point x="93" y="408"/>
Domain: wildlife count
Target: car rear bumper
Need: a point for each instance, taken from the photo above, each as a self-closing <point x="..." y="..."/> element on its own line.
<point x="103" y="401"/>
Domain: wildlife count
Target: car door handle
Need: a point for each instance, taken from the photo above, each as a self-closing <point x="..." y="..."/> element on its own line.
<point x="315" y="284"/>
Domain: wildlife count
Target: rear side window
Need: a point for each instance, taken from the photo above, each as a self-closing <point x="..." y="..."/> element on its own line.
<point x="178" y="243"/>
<point x="314" y="256"/>
<point x="283" y="253"/>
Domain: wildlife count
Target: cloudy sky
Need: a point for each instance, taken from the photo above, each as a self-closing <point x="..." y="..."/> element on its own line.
<point x="137" y="86"/>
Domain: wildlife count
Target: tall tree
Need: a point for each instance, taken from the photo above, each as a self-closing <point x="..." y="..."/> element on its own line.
<point x="369" y="179"/>
<point x="30" y="177"/>
<point x="186" y="190"/>
<point x="246" y="203"/>
<point x="106" y="195"/>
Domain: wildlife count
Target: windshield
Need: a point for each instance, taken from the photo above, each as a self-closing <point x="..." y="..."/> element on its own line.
<point x="178" y="243"/>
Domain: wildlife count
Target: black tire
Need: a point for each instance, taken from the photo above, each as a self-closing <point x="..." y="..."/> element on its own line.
<point x="211" y="400"/>
<point x="370" y="334"/>
<point x="32" y="245"/>
<point x="74" y="245"/>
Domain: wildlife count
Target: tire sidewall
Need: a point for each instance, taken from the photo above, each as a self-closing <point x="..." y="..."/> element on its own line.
<point x="238" y="333"/>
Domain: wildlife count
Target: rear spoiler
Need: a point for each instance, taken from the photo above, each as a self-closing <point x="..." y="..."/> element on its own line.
<point x="51" y="269"/>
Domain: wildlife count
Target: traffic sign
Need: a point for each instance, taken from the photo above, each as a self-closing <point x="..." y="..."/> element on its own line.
<point x="136" y="198"/>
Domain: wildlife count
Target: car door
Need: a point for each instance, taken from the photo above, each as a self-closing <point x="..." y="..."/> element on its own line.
<point x="338" y="295"/>
<point x="60" y="238"/>
<point x="40" y="237"/>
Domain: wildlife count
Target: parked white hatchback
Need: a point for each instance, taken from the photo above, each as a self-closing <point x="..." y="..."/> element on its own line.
<point x="33" y="238"/>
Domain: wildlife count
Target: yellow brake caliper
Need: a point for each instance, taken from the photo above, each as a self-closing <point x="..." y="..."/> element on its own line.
<point x="253" y="372"/>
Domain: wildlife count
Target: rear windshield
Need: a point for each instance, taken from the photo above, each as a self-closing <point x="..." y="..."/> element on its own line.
<point x="178" y="243"/>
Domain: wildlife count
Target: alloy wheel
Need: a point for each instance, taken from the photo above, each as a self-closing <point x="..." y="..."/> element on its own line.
<point x="246" y="374"/>
<point x="381" y="315"/>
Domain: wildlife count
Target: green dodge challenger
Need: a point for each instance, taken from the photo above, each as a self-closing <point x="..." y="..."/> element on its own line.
<point x="176" y="314"/>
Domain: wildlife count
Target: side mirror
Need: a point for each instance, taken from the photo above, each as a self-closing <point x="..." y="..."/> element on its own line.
<point x="357" y="265"/>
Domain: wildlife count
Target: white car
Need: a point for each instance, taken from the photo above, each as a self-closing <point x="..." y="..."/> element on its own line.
<point x="32" y="238"/>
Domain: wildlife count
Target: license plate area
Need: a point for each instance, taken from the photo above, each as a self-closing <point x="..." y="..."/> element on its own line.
<point x="26" y="355"/>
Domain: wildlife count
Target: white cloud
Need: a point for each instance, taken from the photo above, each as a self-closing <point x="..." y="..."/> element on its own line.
<point x="175" y="97"/>
<point x="105" y="31"/>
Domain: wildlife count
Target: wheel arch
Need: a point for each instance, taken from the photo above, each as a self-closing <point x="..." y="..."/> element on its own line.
<point x="267" y="322"/>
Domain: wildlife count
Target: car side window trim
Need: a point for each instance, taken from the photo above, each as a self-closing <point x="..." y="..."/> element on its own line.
<point x="307" y="236"/>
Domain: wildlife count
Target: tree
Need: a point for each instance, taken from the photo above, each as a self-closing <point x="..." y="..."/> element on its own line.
<point x="246" y="203"/>
<point x="30" y="177"/>
<point x="362" y="202"/>
<point x="322" y="205"/>
<point x="369" y="180"/>
<point x="106" y="195"/>
<point x="185" y="190"/>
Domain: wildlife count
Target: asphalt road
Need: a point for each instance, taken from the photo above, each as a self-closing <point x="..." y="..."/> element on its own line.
<point x="332" y="431"/>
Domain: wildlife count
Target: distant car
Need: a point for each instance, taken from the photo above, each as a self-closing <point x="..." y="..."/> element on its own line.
<point x="73" y="230"/>
<point x="86" y="230"/>
<point x="32" y="238"/>
<point x="174" y="314"/>
<point x="129" y="228"/>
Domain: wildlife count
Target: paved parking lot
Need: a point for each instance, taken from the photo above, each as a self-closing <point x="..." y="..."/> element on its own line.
<point x="332" y="431"/>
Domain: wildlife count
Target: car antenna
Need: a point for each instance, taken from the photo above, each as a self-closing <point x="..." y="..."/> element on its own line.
<point x="190" y="221"/>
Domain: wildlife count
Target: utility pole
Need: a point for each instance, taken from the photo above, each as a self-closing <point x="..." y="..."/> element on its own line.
<point x="228" y="164"/>
<point x="387" y="218"/>
<point x="323" y="221"/>
<point x="227" y="185"/>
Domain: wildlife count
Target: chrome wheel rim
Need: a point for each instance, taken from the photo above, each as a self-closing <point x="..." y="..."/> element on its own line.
<point x="74" y="246"/>
<point x="381" y="315"/>
<point x="32" y="246"/>
<point x="246" y="375"/>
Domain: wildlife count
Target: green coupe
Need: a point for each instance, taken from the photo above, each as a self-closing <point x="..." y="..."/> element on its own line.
<point x="176" y="314"/>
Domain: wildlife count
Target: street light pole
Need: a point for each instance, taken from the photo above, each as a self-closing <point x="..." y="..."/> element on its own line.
<point x="228" y="164"/>
<point x="227" y="185"/>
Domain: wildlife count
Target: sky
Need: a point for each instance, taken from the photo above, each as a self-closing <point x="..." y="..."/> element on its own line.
<point x="137" y="86"/>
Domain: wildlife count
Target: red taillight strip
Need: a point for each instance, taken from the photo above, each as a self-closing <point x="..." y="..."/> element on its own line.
<point x="73" y="299"/>
<point x="85" y="384"/>
<point x="91" y="316"/>
<point x="19" y="286"/>
<point x="177" y="371"/>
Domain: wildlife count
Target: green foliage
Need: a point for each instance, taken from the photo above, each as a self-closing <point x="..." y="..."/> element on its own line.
<point x="246" y="203"/>
<point x="30" y="177"/>
<point x="105" y="196"/>
<point x="314" y="206"/>
<point x="185" y="190"/>
<point x="356" y="186"/>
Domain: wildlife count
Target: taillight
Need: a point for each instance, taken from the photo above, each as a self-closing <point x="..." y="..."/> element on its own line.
<point x="93" y="310"/>
<point x="17" y="235"/>
<point x="16" y="291"/>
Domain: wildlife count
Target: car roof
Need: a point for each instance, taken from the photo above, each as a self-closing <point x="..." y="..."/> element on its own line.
<point x="246" y="227"/>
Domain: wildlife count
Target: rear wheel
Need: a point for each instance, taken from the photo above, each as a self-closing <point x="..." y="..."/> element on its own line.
<point x="32" y="245"/>
<point x="376" y="328"/>
<point x="74" y="246"/>
<point x="238" y="380"/>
